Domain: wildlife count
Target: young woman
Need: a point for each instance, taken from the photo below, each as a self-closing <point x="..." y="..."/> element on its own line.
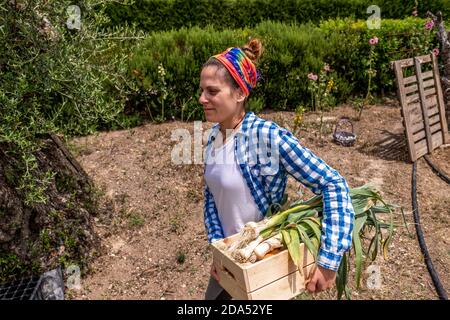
<point x="248" y="159"/>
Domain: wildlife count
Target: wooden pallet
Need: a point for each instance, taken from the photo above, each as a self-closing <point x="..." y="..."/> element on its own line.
<point x="273" y="278"/>
<point x="422" y="104"/>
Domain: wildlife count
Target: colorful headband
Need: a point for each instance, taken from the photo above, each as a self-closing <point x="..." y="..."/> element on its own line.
<point x="241" y="68"/>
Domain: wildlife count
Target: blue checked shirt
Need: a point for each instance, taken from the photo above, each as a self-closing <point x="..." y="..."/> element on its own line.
<point x="266" y="154"/>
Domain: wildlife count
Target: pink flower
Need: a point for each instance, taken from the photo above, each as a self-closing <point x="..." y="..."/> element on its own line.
<point x="436" y="51"/>
<point x="312" y="76"/>
<point x="429" y="25"/>
<point x="414" y="13"/>
<point x="373" y="41"/>
<point x="326" y="67"/>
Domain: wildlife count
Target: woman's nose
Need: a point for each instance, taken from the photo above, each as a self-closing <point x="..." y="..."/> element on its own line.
<point x="202" y="99"/>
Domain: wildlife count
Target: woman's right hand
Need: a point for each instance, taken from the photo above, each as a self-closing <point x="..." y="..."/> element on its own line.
<point x="214" y="272"/>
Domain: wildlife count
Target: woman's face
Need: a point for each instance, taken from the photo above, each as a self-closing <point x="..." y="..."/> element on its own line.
<point x="219" y="99"/>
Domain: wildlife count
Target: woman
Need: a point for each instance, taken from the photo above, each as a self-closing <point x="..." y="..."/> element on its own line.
<point x="247" y="160"/>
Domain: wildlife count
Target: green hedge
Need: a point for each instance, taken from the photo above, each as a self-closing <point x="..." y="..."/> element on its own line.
<point x="291" y="52"/>
<point x="161" y="15"/>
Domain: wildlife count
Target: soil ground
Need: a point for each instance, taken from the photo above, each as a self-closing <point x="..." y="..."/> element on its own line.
<point x="156" y="246"/>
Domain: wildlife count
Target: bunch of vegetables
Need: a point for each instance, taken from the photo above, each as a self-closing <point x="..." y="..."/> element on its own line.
<point x="301" y="221"/>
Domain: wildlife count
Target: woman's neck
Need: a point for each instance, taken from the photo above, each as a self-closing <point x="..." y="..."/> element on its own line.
<point x="231" y="124"/>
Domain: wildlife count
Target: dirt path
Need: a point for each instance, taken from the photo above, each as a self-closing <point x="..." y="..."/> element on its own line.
<point x="156" y="246"/>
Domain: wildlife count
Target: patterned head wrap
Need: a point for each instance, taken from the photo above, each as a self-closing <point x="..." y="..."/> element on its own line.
<point x="241" y="68"/>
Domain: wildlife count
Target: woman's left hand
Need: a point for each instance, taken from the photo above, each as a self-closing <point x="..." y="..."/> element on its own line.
<point x="322" y="279"/>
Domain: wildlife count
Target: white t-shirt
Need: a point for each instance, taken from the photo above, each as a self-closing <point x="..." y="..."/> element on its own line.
<point x="234" y="202"/>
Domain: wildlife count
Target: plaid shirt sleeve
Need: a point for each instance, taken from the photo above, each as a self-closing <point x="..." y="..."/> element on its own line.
<point x="212" y="222"/>
<point x="320" y="178"/>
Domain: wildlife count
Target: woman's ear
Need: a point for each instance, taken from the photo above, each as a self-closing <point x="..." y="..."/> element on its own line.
<point x="240" y="95"/>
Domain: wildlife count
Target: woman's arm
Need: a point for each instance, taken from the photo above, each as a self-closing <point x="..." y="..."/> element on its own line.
<point x="320" y="178"/>
<point x="212" y="222"/>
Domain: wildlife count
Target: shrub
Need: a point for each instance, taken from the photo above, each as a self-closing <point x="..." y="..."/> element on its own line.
<point x="291" y="52"/>
<point x="164" y="15"/>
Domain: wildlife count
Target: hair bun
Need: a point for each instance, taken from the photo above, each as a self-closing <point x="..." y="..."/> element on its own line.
<point x="253" y="49"/>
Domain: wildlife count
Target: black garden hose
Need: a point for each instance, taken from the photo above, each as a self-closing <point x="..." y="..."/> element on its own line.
<point x="434" y="275"/>
<point x="436" y="170"/>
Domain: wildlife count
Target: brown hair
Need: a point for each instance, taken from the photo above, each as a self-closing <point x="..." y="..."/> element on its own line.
<point x="252" y="49"/>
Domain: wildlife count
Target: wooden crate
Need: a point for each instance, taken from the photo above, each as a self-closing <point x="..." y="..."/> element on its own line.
<point x="422" y="105"/>
<point x="274" y="278"/>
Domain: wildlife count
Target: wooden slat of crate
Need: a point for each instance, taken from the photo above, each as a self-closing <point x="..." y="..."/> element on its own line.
<point x="419" y="127"/>
<point x="423" y="96"/>
<point x="284" y="288"/>
<point x="413" y="79"/>
<point x="422" y="135"/>
<point x="416" y="113"/>
<point x="422" y="147"/>
<point x="433" y="110"/>
<point x="435" y="121"/>
<point x="398" y="69"/>
<point x="441" y="103"/>
<point x="422" y="104"/>
<point x="231" y="285"/>
<point x="409" y="62"/>
<point x="416" y="97"/>
<point x="430" y="102"/>
<point x="225" y="265"/>
<point x="416" y="106"/>
<point x="415" y="88"/>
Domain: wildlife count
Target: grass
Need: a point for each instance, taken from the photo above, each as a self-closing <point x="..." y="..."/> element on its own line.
<point x="174" y="224"/>
<point x="135" y="220"/>
<point x="45" y="239"/>
<point x="77" y="149"/>
<point x="194" y="195"/>
<point x="181" y="257"/>
<point x="10" y="264"/>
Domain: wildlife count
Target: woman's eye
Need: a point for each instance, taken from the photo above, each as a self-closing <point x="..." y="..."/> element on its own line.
<point x="213" y="92"/>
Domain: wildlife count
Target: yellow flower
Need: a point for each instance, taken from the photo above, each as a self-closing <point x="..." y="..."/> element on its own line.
<point x="330" y="85"/>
